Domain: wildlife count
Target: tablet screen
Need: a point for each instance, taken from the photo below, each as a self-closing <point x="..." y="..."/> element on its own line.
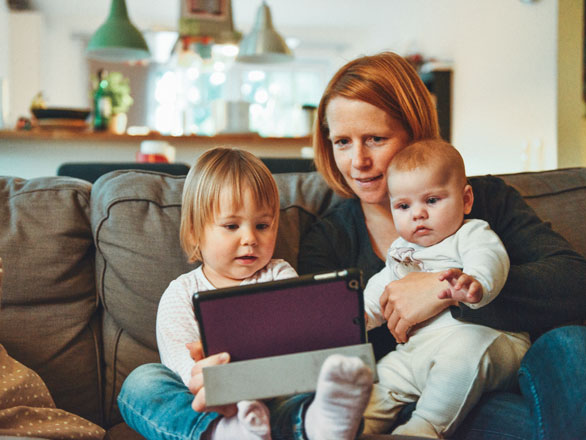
<point x="311" y="312"/>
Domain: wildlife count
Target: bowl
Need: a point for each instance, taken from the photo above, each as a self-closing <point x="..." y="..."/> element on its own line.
<point x="61" y="113"/>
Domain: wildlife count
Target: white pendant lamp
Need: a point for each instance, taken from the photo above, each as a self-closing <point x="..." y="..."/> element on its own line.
<point x="263" y="44"/>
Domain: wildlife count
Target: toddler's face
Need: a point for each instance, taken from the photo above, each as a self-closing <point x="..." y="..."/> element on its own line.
<point x="427" y="205"/>
<point x="238" y="242"/>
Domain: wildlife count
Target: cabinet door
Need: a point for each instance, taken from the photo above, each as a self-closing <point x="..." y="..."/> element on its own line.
<point x="439" y="83"/>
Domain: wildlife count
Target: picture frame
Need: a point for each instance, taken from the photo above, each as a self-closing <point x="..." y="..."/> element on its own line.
<point x="206" y="18"/>
<point x="214" y="10"/>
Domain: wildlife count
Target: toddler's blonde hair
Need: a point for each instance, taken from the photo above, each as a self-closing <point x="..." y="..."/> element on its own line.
<point x="214" y="171"/>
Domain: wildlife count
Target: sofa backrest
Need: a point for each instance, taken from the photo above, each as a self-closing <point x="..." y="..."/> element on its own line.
<point x="558" y="197"/>
<point x="48" y="318"/>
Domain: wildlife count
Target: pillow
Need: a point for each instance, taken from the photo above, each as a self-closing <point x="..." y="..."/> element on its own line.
<point x="27" y="409"/>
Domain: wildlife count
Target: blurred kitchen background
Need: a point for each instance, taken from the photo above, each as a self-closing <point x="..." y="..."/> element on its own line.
<point x="517" y="68"/>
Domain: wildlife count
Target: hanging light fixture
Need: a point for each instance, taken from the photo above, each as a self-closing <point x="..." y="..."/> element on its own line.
<point x="118" y="39"/>
<point x="263" y="44"/>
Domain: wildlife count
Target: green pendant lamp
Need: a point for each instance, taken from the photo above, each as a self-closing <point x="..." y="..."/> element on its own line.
<point x="263" y="44"/>
<point x="118" y="40"/>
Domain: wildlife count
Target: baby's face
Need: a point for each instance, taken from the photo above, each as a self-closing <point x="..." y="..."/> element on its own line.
<point x="427" y="205"/>
<point x="238" y="242"/>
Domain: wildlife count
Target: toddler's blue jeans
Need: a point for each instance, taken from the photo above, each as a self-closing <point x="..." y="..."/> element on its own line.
<point x="156" y="403"/>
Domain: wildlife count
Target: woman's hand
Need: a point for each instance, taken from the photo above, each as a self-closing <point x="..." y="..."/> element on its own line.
<point x="196" y="382"/>
<point x="412" y="300"/>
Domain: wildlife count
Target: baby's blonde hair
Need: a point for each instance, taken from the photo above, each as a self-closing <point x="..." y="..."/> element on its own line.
<point x="214" y="171"/>
<point x="430" y="153"/>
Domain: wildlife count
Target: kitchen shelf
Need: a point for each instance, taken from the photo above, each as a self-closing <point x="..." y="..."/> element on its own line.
<point x="81" y="136"/>
<point x="40" y="151"/>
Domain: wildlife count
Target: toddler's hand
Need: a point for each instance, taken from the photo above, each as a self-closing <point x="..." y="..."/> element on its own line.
<point x="463" y="287"/>
<point x="196" y="382"/>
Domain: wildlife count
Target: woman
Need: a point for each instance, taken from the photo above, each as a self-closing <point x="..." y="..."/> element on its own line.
<point x="372" y="108"/>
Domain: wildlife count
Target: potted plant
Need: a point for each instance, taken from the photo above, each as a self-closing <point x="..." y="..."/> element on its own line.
<point x="116" y="88"/>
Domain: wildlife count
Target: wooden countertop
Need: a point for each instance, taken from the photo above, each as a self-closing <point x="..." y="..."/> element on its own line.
<point x="37" y="134"/>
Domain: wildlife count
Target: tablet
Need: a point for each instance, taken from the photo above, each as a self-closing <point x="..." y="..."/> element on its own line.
<point x="311" y="312"/>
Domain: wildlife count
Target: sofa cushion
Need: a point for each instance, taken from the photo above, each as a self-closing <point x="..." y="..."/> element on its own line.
<point x="558" y="197"/>
<point x="135" y="220"/>
<point x="49" y="299"/>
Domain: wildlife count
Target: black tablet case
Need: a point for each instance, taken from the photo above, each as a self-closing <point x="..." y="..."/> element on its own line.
<point x="311" y="312"/>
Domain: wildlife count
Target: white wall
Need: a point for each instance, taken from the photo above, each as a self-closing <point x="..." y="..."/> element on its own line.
<point x="504" y="59"/>
<point x="570" y="82"/>
<point x="26" y="33"/>
<point x="4" y="55"/>
<point x="504" y="55"/>
<point x="4" y="37"/>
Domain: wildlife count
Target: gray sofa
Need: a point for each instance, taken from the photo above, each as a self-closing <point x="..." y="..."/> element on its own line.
<point x="85" y="267"/>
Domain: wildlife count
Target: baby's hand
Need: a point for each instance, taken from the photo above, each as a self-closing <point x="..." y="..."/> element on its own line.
<point x="462" y="287"/>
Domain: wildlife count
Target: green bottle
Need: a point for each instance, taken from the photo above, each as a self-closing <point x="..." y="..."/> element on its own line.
<point x="102" y="103"/>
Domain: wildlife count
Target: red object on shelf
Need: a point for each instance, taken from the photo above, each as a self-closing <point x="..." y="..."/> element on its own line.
<point x="151" y="158"/>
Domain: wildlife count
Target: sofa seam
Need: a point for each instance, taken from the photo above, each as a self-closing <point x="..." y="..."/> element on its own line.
<point x="78" y="191"/>
<point x="97" y="348"/>
<point x="110" y="405"/>
<point x="99" y="225"/>
<point x="552" y="193"/>
<point x="524" y="173"/>
<point x="538" y="412"/>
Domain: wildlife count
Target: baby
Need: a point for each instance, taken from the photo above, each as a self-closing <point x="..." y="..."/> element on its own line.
<point x="446" y="364"/>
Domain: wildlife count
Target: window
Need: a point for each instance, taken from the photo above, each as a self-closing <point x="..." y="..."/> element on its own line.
<point x="209" y="94"/>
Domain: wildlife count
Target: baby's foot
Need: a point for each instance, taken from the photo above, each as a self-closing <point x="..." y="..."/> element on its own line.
<point x="252" y="422"/>
<point x="343" y="391"/>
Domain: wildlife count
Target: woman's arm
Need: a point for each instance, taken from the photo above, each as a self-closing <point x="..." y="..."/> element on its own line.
<point x="338" y="241"/>
<point x="317" y="252"/>
<point x="545" y="286"/>
<point x="341" y="240"/>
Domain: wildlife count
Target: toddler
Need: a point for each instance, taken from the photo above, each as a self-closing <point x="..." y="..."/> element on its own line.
<point x="446" y="364"/>
<point x="229" y="222"/>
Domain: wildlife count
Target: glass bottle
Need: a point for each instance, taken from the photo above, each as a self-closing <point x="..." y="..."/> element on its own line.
<point x="102" y="103"/>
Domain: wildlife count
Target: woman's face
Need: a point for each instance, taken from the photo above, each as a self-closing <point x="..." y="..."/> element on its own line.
<point x="364" y="140"/>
